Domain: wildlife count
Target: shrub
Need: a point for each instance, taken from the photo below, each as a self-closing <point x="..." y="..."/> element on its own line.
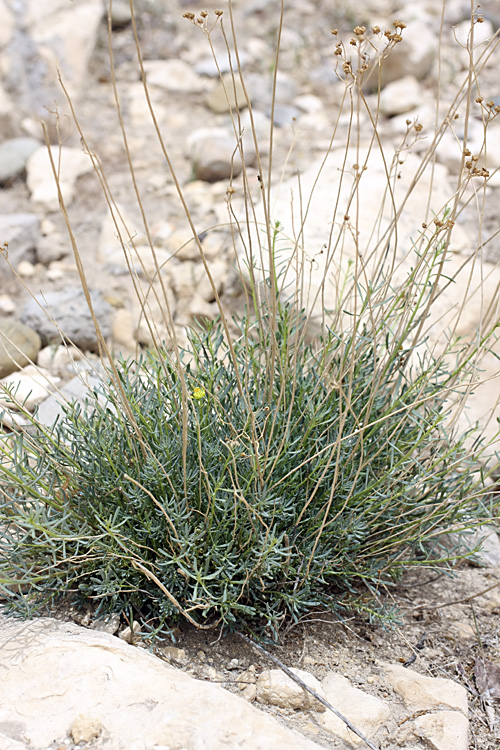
<point x="260" y="472"/>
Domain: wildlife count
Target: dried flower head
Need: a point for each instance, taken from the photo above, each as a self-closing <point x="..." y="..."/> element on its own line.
<point x="334" y="32"/>
<point x="399" y="25"/>
<point x="218" y="12"/>
<point x="359" y="30"/>
<point x="189" y="16"/>
<point x="375" y="29"/>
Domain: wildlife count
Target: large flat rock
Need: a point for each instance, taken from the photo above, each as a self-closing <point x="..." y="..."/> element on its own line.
<point x="58" y="679"/>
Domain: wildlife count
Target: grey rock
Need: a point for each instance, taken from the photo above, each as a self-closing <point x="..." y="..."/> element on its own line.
<point x="70" y="311"/>
<point x="214" y="154"/>
<point x="227" y="95"/>
<point x="120" y="14"/>
<point x="18" y="345"/>
<point x="22" y="232"/>
<point x="14" y="154"/>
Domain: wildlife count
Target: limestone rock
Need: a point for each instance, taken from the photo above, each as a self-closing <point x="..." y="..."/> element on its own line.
<point x="415" y="54"/>
<point x="14" y="154"/>
<point x="444" y="730"/>
<point x="120" y="14"/>
<point x="70" y="311"/>
<point x="420" y="692"/>
<point x="59" y="360"/>
<point x="19" y="345"/>
<point x="275" y="688"/>
<point x="41" y="181"/>
<point x="227" y="95"/>
<point x="401" y="96"/>
<point x="140" y="700"/>
<point x="366" y="712"/>
<point x="173" y="75"/>
<point x="29" y="387"/>
<point x="22" y="232"/>
<point x="85" y="729"/>
<point x="77" y="389"/>
<point x="215" y="154"/>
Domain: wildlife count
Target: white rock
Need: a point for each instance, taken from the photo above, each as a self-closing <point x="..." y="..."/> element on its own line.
<point x="275" y="688"/>
<point x="65" y="35"/>
<point x="40" y="179"/>
<point x="420" y="692"/>
<point x="85" y="729"/>
<point x="173" y="75"/>
<point x="444" y="730"/>
<point x="121" y="234"/>
<point x="141" y="701"/>
<point x="482" y="33"/>
<point x="7" y="304"/>
<point x="415" y="54"/>
<point x="366" y="712"/>
<point x="7" y="24"/>
<point x="59" y="360"/>
<point x="401" y="96"/>
<point x="29" y="387"/>
<point x="26" y="269"/>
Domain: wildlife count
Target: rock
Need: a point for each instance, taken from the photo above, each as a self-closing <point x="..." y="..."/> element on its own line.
<point x="70" y="311"/>
<point x="7" y="304"/>
<point x="25" y="269"/>
<point x="123" y="332"/>
<point x="59" y="360"/>
<point x="401" y="96"/>
<point x="420" y="692"/>
<point x="366" y="712"/>
<point x="19" y="345"/>
<point x="41" y="181"/>
<point x="14" y="154"/>
<point x="129" y="634"/>
<point x="85" y="729"/>
<point x="29" y="387"/>
<point x="482" y="34"/>
<point x="107" y="625"/>
<point x="8" y="118"/>
<point x="22" y="232"/>
<point x="177" y="655"/>
<point x="77" y="389"/>
<point x="489" y="553"/>
<point x="120" y="14"/>
<point x="115" y="241"/>
<point x="39" y="38"/>
<point x="414" y="55"/>
<point x="275" y="688"/>
<point x="227" y="95"/>
<point x="173" y="75"/>
<point x="444" y="730"/>
<point x="215" y="154"/>
<point x="140" y="700"/>
<point x="207" y="66"/>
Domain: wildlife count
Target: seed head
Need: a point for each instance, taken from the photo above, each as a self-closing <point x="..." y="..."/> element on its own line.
<point x="399" y="25"/>
<point x="359" y="30"/>
<point x="334" y="32"/>
<point x="218" y="12"/>
<point x="376" y="30"/>
<point x="189" y="16"/>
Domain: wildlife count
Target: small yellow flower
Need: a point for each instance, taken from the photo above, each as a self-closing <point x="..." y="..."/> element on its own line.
<point x="198" y="393"/>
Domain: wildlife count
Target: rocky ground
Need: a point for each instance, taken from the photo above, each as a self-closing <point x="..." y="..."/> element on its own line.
<point x="446" y="697"/>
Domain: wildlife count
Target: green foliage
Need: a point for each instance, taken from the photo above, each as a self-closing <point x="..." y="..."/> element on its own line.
<point x="233" y="494"/>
